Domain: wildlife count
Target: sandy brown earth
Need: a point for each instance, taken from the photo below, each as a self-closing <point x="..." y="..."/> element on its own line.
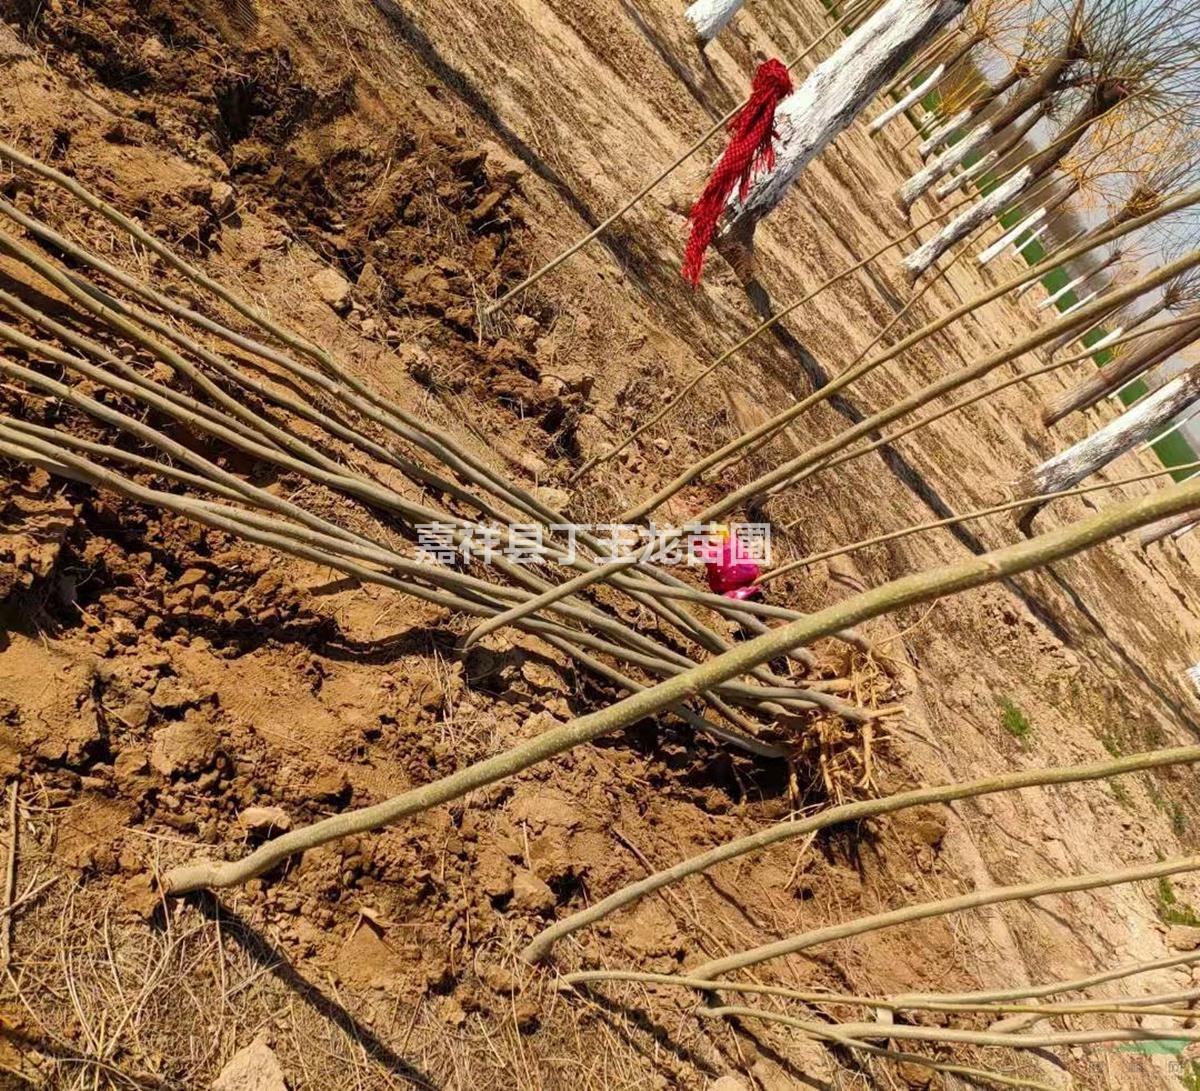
<point x="157" y="679"/>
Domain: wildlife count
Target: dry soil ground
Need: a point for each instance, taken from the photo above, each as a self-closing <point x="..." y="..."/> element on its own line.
<point x="156" y="679"/>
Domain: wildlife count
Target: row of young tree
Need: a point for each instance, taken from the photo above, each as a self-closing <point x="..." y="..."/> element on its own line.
<point x="1113" y="85"/>
<point x="1092" y="121"/>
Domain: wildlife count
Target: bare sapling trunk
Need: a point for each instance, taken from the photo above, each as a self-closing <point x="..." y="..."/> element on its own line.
<point x="834" y="94"/>
<point x="1081" y="302"/>
<point x="1099" y="449"/>
<point x="844" y="813"/>
<point x="1106" y="340"/>
<point x="1122" y="370"/>
<point x="1020" y="250"/>
<point x="939" y="135"/>
<point x="937" y="169"/>
<point x="962" y="225"/>
<point x="1070" y="286"/>
<point x="709" y="17"/>
<point x="957" y="181"/>
<point x="1052" y="250"/>
<point x="887" y="598"/>
<point x="1165" y="528"/>
<point x="1076" y="332"/>
<point x="911" y="99"/>
<point x="1076" y="329"/>
<point x="1108" y="263"/>
<point x="1051" y="206"/>
<point x="923" y="911"/>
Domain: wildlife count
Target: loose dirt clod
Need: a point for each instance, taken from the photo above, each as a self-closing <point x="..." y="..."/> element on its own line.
<point x="254" y="1068"/>
<point x="187" y="747"/>
<point x="265" y="820"/>
<point x="333" y="288"/>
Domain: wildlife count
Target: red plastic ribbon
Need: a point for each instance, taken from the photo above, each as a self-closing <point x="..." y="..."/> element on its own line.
<point x="750" y="149"/>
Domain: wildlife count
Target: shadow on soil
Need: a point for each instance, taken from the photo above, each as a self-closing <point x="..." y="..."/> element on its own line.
<point x="273" y="960"/>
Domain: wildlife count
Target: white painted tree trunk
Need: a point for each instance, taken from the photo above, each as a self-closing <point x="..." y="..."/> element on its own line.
<point x="1054" y="248"/>
<point x="1050" y="300"/>
<point x="1078" y="335"/>
<point x="937" y="169"/>
<point x="1064" y="339"/>
<point x="930" y="120"/>
<point x="939" y="135"/>
<point x="961" y="226"/>
<point x="912" y="98"/>
<point x="997" y="248"/>
<point x="1020" y="250"/>
<point x="1066" y="470"/>
<point x="1069" y="338"/>
<point x="1106" y="340"/>
<point x="973" y="171"/>
<point x="710" y="17"/>
<point x="1171" y="429"/>
<point x="835" y="93"/>
<point x="1079" y="303"/>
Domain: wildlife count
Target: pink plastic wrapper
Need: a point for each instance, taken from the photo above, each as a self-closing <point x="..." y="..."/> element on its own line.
<point x="735" y="579"/>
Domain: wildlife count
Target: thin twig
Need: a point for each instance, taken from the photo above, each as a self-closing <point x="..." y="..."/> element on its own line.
<point x="10" y="876"/>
